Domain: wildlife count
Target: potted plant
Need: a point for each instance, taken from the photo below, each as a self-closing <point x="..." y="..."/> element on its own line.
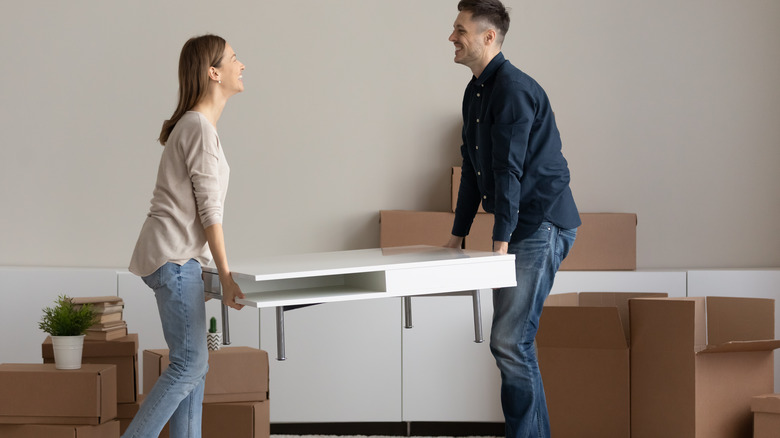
<point x="66" y="324"/>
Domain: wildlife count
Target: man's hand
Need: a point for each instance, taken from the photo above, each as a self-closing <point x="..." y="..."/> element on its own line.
<point x="500" y="247"/>
<point x="454" y="242"/>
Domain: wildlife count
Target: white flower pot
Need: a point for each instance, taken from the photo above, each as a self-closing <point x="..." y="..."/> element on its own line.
<point x="67" y="351"/>
<point x="214" y="341"/>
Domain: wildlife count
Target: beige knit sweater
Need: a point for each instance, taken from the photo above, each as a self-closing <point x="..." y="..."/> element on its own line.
<point x="189" y="196"/>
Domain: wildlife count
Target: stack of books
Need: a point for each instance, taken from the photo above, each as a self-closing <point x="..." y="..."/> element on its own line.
<point x="109" y="324"/>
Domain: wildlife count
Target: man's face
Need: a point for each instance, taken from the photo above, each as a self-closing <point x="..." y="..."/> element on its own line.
<point x="468" y="38"/>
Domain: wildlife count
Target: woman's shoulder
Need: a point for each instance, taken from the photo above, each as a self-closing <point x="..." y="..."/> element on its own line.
<point x="195" y="120"/>
<point x="193" y="124"/>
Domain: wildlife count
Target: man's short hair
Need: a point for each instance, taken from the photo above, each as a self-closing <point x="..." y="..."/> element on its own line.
<point x="492" y="11"/>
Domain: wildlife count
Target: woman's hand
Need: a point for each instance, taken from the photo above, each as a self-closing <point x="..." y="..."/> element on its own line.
<point x="230" y="291"/>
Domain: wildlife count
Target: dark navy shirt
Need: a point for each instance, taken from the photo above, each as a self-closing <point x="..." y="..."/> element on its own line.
<point x="512" y="160"/>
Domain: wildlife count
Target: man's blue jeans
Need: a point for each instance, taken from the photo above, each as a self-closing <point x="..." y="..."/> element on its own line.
<point x="515" y="322"/>
<point x="178" y="393"/>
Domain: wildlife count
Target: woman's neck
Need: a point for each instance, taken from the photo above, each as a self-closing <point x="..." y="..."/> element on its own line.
<point x="211" y="107"/>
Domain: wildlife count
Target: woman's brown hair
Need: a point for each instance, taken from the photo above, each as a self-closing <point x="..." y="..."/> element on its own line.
<point x="197" y="56"/>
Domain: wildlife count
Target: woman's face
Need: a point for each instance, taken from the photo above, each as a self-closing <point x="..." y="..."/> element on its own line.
<point x="230" y="71"/>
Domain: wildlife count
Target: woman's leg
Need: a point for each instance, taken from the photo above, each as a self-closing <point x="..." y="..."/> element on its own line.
<point x="178" y="393"/>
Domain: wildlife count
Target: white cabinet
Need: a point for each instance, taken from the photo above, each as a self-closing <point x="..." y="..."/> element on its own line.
<point x="757" y="283"/>
<point x="343" y="362"/>
<point x="26" y="291"/>
<point x="447" y="376"/>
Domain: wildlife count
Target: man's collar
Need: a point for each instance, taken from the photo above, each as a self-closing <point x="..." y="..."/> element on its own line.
<point x="490" y="70"/>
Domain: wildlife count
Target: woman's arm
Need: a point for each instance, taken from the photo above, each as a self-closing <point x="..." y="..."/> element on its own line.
<point x="230" y="290"/>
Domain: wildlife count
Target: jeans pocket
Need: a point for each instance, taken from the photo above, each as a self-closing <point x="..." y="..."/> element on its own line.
<point x="566" y="239"/>
<point x="531" y="252"/>
<point x="154" y="280"/>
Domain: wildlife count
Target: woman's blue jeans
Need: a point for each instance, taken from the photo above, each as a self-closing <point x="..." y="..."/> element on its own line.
<point x="178" y="393"/>
<point x="515" y="322"/>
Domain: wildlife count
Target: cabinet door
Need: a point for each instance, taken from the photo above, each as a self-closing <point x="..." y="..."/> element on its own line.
<point x="447" y="375"/>
<point x="26" y="291"/>
<point x="755" y="283"/>
<point x="343" y="362"/>
<point x="142" y="317"/>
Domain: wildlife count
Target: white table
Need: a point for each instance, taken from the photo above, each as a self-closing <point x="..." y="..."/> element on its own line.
<point x="292" y="281"/>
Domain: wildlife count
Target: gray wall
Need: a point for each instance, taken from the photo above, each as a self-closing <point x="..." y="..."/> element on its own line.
<point x="669" y="109"/>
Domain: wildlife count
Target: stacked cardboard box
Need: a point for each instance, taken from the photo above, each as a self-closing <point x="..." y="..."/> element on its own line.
<point x="697" y="363"/>
<point x="678" y="367"/>
<point x="583" y="350"/>
<point x="40" y="400"/>
<point x="235" y="401"/>
<point x="109" y="324"/>
<point x="605" y="241"/>
<point x="122" y="352"/>
<point x="766" y="416"/>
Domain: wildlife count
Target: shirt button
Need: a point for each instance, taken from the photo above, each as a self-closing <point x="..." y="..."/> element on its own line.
<point x="484" y="197"/>
<point x="477" y="147"/>
<point x="477" y="94"/>
<point x="479" y="173"/>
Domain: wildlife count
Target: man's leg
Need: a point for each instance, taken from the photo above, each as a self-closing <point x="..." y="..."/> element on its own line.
<point x="515" y="322"/>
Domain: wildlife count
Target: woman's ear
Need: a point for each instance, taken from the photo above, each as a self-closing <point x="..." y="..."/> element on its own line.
<point x="213" y="74"/>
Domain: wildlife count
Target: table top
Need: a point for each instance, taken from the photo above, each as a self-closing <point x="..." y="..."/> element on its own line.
<point x="355" y="261"/>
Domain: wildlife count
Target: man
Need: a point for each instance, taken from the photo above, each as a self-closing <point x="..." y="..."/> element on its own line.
<point x="513" y="166"/>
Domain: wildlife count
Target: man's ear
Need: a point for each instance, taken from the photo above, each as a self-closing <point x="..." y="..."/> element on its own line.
<point x="490" y="37"/>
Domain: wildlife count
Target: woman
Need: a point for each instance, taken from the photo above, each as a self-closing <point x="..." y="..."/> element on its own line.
<point x="183" y="230"/>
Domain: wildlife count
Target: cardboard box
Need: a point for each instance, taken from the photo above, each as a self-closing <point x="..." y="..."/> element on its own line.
<point x="236" y="374"/>
<point x="697" y="362"/>
<point x="766" y="416"/>
<point x="605" y="241"/>
<point x="125" y="412"/>
<point x="583" y="351"/>
<point x="480" y="236"/>
<point x="250" y="420"/>
<point x="404" y="228"/>
<point x="455" y="186"/>
<point x="243" y="419"/>
<point x="105" y="430"/>
<point x="121" y="352"/>
<point x="42" y="394"/>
